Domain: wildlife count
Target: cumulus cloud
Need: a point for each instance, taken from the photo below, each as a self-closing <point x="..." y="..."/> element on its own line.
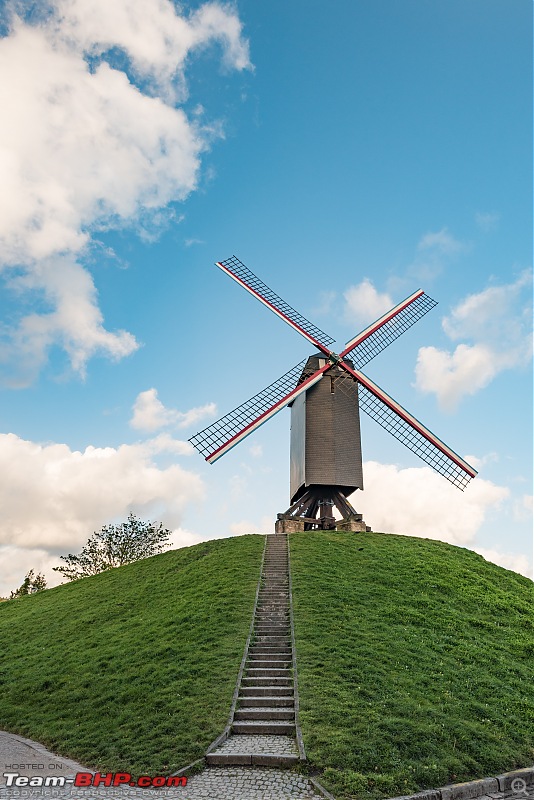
<point x="435" y="509"/>
<point x="53" y="497"/>
<point x="497" y="321"/>
<point x="91" y="137"/>
<point x="364" y="303"/>
<point x="518" y="562"/>
<point x="245" y="526"/>
<point x="149" y="413"/>
<point x="441" y="242"/>
<point x="434" y="250"/>
<point x="16" y="562"/>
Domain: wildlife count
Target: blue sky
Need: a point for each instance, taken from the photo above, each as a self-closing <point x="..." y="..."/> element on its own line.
<point x="349" y="153"/>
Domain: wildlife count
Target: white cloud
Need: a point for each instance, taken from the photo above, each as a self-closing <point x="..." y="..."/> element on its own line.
<point x="434" y="250"/>
<point x="149" y="413"/>
<point x="498" y="322"/>
<point x="266" y="525"/>
<point x="452" y="376"/>
<point x="480" y="461"/>
<point x="85" y="145"/>
<point x="434" y="508"/>
<point x="181" y="537"/>
<point x="52" y="497"/>
<point x="523" y="508"/>
<point x="441" y="242"/>
<point x="518" y="562"/>
<point x="364" y="304"/>
<point x="164" y="443"/>
<point x="16" y="561"/>
<point x="156" y="38"/>
<point x="256" y="450"/>
<point x="75" y="323"/>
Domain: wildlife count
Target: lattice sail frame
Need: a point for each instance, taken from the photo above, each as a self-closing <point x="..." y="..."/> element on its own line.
<point x="391" y="416"/>
<point x="242" y="275"/>
<point x="215" y="440"/>
<point x="370" y="342"/>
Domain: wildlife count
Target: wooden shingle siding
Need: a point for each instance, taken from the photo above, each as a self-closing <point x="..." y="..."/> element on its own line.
<point x="325" y="434"/>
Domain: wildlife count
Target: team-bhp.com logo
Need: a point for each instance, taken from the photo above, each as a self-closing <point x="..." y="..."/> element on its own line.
<point x="95" y="779"/>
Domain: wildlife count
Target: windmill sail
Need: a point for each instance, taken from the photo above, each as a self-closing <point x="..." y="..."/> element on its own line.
<point x="408" y="430"/>
<point x="367" y="344"/>
<point x="215" y="440"/>
<point x="242" y="275"/>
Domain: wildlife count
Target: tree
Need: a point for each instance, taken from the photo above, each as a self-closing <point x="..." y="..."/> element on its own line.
<point x="114" y="546"/>
<point x="31" y="584"/>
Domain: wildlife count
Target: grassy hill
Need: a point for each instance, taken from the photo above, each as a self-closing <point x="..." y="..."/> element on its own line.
<point x="415" y="660"/>
<point x="133" y="669"/>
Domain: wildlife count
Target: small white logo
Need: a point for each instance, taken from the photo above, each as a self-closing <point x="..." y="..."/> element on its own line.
<point x="518" y="786"/>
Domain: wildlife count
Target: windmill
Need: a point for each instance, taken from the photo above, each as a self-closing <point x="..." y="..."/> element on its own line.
<point x="325" y="393"/>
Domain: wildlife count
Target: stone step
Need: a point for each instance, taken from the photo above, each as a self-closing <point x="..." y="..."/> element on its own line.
<point x="266" y="691"/>
<point x="266" y="700"/>
<point x="274" y="585"/>
<point x="277" y="598"/>
<point x="273" y="630"/>
<point x="268" y="648"/>
<point x="281" y="613"/>
<point x="269" y="663"/>
<point x="274" y="608"/>
<point x="255" y="680"/>
<point x="272" y="640"/>
<point x="284" y="656"/>
<point x="264" y="713"/>
<point x="254" y="759"/>
<point x="281" y="629"/>
<point x="268" y="672"/>
<point x="267" y="728"/>
<point x="269" y="604"/>
<point x="274" y="589"/>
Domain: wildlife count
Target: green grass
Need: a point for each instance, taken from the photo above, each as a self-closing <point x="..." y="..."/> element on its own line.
<point x="133" y="669"/>
<point x="415" y="662"/>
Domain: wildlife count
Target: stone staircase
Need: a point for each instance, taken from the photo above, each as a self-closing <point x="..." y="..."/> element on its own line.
<point x="263" y="724"/>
